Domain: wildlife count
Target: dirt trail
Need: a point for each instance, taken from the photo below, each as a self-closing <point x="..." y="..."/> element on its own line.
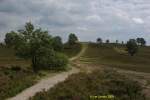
<point x="84" y="47"/>
<point x="49" y="82"/>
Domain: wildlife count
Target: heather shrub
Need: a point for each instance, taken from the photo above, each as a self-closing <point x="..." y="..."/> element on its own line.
<point x="81" y="86"/>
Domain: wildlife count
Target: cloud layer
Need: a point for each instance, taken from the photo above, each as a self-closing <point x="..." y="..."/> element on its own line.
<point x="89" y="19"/>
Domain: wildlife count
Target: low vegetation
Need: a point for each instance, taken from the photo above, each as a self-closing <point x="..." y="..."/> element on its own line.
<point x="100" y="83"/>
<point x="113" y="55"/>
<point x="14" y="79"/>
<point x="72" y="50"/>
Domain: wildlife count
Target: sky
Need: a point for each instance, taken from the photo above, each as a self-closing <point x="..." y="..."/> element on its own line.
<point x="88" y="19"/>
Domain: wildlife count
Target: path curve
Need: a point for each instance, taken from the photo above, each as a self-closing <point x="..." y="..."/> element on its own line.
<point x="48" y="83"/>
<point x="84" y="47"/>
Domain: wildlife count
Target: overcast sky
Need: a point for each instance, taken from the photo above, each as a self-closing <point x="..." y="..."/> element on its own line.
<point x="89" y="19"/>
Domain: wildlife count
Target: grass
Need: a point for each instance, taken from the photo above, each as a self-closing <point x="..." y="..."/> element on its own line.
<point x="115" y="56"/>
<point x="8" y="58"/>
<point x="14" y="80"/>
<point x="72" y="50"/>
<point x="100" y="83"/>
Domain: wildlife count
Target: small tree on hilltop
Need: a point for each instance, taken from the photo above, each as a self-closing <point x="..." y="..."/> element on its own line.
<point x="141" y="41"/>
<point x="107" y="41"/>
<point x="72" y="39"/>
<point x="99" y="40"/>
<point x="117" y="41"/>
<point x="138" y="40"/>
<point x="132" y="47"/>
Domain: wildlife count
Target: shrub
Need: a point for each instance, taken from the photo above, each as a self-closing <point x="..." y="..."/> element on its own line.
<point x="81" y="86"/>
<point x="13" y="81"/>
<point x="51" y="60"/>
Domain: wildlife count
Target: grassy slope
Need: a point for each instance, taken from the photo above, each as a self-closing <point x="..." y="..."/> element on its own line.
<point x="116" y="56"/>
<point x="72" y="50"/>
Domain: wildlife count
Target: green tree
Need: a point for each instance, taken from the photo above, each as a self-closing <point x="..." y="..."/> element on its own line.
<point x="57" y="43"/>
<point x="36" y="45"/>
<point x="138" y="40"/>
<point x="107" y="41"/>
<point x="132" y="47"/>
<point x="72" y="39"/>
<point x="141" y="41"/>
<point x="117" y="41"/>
<point x="11" y="39"/>
<point x="99" y="40"/>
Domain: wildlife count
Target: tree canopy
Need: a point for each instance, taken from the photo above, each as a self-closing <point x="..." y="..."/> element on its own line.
<point x="57" y="43"/>
<point x="37" y="45"/>
<point x="99" y="40"/>
<point x="141" y="41"/>
<point x="72" y="39"/>
<point x="132" y="47"/>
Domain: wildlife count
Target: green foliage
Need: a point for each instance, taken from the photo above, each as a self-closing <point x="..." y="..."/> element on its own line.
<point x="14" y="80"/>
<point x="107" y="41"/>
<point x="49" y="59"/>
<point x="11" y="39"/>
<point x="141" y="41"/>
<point x="57" y="44"/>
<point x="99" y="40"/>
<point x="82" y="86"/>
<point x="72" y="39"/>
<point x="37" y="45"/>
<point x="132" y="47"/>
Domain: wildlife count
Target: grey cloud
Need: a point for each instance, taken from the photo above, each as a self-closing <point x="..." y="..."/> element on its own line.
<point x="89" y="19"/>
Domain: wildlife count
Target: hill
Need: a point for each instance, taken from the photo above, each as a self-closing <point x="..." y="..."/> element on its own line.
<point x="113" y="55"/>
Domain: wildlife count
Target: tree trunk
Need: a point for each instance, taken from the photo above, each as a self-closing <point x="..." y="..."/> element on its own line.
<point x="34" y="67"/>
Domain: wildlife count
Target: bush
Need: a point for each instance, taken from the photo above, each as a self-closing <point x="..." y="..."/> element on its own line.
<point x="51" y="60"/>
<point x="60" y="61"/>
<point x="81" y="86"/>
<point x="13" y="81"/>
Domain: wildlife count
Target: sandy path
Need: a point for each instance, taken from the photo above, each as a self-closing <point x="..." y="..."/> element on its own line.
<point x="44" y="84"/>
<point x="47" y="83"/>
<point x="84" y="47"/>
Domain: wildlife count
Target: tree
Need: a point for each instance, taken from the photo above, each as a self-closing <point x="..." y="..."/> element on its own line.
<point x="107" y="41"/>
<point x="11" y="39"/>
<point x="57" y="43"/>
<point x="132" y="47"/>
<point x="117" y="41"/>
<point x="99" y="40"/>
<point x="138" y="40"/>
<point x="36" y="45"/>
<point x="72" y="39"/>
<point x="141" y="41"/>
